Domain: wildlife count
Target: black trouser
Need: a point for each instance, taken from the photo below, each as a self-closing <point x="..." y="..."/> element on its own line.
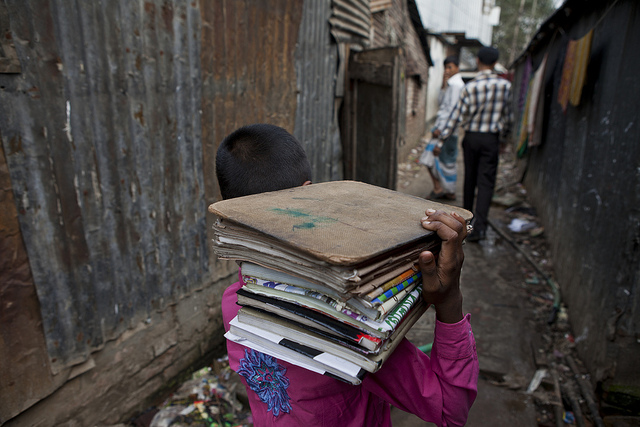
<point x="480" y="167"/>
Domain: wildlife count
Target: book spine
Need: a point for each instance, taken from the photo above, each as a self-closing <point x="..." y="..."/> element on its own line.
<point x="393" y="291"/>
<point x="246" y="313"/>
<point x="391" y="283"/>
<point x="400" y="312"/>
<point x="395" y="300"/>
<point x="330" y="302"/>
<point x="340" y="328"/>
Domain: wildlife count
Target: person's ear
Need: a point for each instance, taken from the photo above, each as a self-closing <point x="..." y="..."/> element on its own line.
<point x="306" y="183"/>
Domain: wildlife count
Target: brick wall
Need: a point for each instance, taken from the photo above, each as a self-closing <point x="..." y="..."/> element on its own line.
<point x="392" y="27"/>
<point x="415" y="127"/>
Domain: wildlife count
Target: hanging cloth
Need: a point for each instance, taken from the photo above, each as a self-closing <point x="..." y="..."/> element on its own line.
<point x="524" y="85"/>
<point x="574" y="71"/>
<point x="536" y="103"/>
<point x="583" y="52"/>
<point x="530" y="122"/>
<point x="567" y="74"/>
<point x="523" y="138"/>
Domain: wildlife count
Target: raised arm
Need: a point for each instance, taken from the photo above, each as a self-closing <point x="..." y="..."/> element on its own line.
<point x="441" y="277"/>
<point x="453" y="357"/>
<point x="440" y="389"/>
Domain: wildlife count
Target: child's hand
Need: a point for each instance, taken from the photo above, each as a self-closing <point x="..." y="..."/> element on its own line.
<point x="441" y="275"/>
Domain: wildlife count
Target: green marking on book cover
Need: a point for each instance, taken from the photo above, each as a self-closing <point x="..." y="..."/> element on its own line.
<point x="304" y="226"/>
<point x="311" y="222"/>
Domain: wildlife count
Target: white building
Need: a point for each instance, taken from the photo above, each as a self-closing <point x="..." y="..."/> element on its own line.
<point x="476" y="18"/>
<point x="471" y="20"/>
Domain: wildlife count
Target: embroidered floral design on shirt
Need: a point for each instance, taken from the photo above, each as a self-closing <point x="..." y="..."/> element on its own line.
<point x="267" y="379"/>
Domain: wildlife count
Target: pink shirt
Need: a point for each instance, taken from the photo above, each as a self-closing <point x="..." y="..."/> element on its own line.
<point x="440" y="389"/>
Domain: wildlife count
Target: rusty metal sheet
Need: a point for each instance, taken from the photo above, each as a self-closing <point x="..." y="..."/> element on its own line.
<point x="248" y="76"/>
<point x="25" y="364"/>
<point x="101" y="132"/>
<point x="316" y="64"/>
<point x="9" y="62"/>
<point x="350" y="21"/>
<point x="380" y="5"/>
<point x="110" y="133"/>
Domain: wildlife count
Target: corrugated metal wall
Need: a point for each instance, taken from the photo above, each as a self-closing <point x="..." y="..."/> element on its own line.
<point x="110" y="129"/>
<point x="101" y="132"/>
<point x="110" y="133"/>
<point x="248" y="76"/>
<point x="350" y="21"/>
<point x="585" y="182"/>
<point x="316" y="125"/>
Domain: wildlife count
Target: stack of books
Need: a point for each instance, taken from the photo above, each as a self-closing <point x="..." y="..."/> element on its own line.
<point x="330" y="277"/>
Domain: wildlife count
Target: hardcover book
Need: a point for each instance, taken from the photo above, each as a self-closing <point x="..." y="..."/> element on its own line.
<point x="326" y="342"/>
<point x="298" y="353"/>
<point x="330" y="276"/>
<point x="340" y="234"/>
<point x="377" y="325"/>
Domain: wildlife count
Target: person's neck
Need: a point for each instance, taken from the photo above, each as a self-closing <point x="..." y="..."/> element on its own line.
<point x="483" y="67"/>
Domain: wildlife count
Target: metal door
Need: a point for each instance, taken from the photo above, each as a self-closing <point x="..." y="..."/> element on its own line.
<point x="374" y="116"/>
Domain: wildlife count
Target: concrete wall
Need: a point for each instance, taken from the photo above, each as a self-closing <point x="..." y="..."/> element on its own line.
<point x="416" y="84"/>
<point x="415" y="125"/>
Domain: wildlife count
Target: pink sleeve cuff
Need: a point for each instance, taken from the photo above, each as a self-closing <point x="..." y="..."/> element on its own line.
<point x="454" y="340"/>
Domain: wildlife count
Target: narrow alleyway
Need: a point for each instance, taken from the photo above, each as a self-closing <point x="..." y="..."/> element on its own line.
<point x="510" y="304"/>
<point x="501" y="319"/>
<point x="527" y="363"/>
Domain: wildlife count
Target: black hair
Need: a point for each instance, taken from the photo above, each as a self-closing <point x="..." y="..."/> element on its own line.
<point x="488" y="55"/>
<point x="259" y="158"/>
<point x="452" y="59"/>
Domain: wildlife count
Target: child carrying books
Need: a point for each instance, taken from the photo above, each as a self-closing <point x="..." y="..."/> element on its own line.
<point x="439" y="389"/>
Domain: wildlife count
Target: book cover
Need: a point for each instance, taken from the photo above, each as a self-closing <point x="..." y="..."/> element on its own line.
<point x="341" y="222"/>
<point x="378" y="323"/>
<point x="250" y="312"/>
<point x="309" y="317"/>
<point x="392" y="282"/>
<point x="256" y="274"/>
<point x="365" y="288"/>
<point x="343" y="280"/>
<point x="299" y="353"/>
<point x="320" y="303"/>
<point x="249" y="269"/>
<point x="292" y="357"/>
<point x="306" y="335"/>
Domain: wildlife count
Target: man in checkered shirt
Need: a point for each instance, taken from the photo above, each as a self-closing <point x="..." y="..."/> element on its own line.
<point x="484" y="112"/>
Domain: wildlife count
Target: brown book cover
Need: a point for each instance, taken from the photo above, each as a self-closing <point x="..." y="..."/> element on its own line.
<point x="342" y="223"/>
